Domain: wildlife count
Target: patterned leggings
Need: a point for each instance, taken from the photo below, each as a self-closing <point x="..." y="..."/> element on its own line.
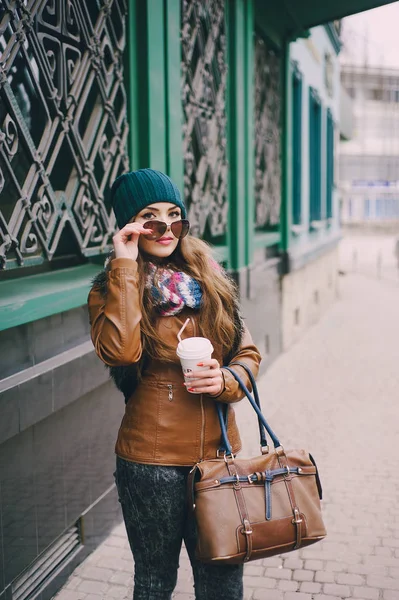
<point x="154" y="507"/>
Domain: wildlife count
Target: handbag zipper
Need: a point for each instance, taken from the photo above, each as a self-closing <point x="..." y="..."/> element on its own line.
<point x="170" y="392"/>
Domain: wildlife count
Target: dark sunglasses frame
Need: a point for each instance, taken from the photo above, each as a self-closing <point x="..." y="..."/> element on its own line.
<point x="179" y="229"/>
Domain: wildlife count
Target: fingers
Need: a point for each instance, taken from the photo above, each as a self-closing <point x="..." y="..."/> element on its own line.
<point x="211" y="362"/>
<point x="208" y="381"/>
<point x="210" y="391"/>
<point x="129" y="230"/>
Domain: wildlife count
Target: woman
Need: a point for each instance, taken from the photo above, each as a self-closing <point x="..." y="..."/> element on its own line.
<point x="156" y="280"/>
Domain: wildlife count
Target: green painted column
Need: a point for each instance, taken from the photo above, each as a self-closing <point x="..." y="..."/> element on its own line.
<point x="155" y="112"/>
<point x="249" y="124"/>
<point x="286" y="171"/>
<point x="240" y="131"/>
<point x="157" y="119"/>
<point x="174" y="110"/>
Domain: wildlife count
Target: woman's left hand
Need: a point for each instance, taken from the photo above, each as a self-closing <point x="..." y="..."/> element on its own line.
<point x="207" y="381"/>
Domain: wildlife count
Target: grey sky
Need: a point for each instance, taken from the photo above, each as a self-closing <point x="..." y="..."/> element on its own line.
<point x="372" y="37"/>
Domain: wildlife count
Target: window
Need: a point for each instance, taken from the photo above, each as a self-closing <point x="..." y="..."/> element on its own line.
<point x="296" y="147"/>
<point x="330" y="165"/>
<point x="314" y="155"/>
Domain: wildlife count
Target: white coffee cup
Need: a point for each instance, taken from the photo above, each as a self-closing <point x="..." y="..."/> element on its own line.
<point x="191" y="351"/>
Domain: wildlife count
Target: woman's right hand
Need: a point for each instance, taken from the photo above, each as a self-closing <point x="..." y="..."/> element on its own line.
<point x="127" y="239"/>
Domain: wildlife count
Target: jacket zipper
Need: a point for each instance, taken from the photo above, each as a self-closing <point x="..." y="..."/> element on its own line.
<point x="170" y="392"/>
<point x="202" y="409"/>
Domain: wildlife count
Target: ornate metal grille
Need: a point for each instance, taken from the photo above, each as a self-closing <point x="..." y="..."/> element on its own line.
<point x="267" y="135"/>
<point x="204" y="72"/>
<point x="63" y="126"/>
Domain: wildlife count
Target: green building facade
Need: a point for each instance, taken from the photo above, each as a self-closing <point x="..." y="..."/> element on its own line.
<point x="218" y="94"/>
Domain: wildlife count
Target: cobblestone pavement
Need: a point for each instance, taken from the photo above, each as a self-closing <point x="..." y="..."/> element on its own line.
<point x="336" y="394"/>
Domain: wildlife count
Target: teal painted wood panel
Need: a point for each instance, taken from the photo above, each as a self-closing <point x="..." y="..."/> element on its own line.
<point x="315" y="161"/>
<point x="157" y="88"/>
<point x="330" y="165"/>
<point x="286" y="167"/>
<point x="297" y="90"/>
<point x="240" y="100"/>
<point x="173" y="109"/>
<point x="38" y="296"/>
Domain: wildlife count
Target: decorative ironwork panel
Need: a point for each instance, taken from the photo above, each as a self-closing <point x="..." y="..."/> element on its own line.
<point x="267" y="135"/>
<point x="63" y="127"/>
<point x="204" y="71"/>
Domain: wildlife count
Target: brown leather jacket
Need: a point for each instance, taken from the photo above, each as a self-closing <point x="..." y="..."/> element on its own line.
<point x="163" y="422"/>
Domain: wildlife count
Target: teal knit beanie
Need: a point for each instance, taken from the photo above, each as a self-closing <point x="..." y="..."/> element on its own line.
<point x="131" y="192"/>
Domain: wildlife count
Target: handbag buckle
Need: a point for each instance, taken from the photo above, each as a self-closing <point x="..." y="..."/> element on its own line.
<point x="227" y="456"/>
<point x="223" y="453"/>
<point x="264" y="449"/>
<point x="247" y="527"/>
<point x="297" y="517"/>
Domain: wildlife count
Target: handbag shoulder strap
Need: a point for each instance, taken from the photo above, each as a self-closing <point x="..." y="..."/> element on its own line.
<point x="254" y="405"/>
<point x="262" y="431"/>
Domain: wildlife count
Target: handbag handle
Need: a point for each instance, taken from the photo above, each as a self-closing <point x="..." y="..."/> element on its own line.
<point x="225" y="441"/>
<point x="223" y="414"/>
<point x="262" y="431"/>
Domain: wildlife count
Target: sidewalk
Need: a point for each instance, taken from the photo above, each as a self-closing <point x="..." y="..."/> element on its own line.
<point x="336" y="394"/>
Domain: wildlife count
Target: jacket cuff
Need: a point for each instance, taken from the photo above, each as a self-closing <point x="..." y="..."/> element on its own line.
<point x="124" y="263"/>
<point x="223" y="388"/>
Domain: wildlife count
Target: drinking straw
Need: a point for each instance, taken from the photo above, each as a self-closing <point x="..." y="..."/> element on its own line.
<point x="182" y="329"/>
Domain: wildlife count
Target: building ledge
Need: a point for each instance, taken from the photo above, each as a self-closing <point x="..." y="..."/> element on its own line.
<point x="38" y="296"/>
<point x="303" y="256"/>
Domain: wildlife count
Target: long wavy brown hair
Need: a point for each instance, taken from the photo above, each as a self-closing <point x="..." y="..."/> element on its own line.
<point x="216" y="318"/>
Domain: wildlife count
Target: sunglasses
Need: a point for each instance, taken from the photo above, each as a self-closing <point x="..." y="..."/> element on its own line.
<point x="179" y="229"/>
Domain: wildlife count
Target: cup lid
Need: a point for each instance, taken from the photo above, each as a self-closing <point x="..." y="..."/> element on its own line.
<point x="193" y="346"/>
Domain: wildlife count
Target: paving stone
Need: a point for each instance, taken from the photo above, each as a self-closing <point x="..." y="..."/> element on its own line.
<point x="66" y="594"/>
<point x="293" y="563"/>
<point x="368" y="569"/>
<point x="389" y="595"/>
<point x="335" y="566"/>
<point x="278" y="573"/>
<point x="303" y="575"/>
<point x="324" y="597"/>
<point x="297" y="596"/>
<point x="350" y="579"/>
<point x="98" y="574"/>
<point x="119" y="592"/>
<point x="93" y="587"/>
<point x="72" y="583"/>
<point x="366" y="593"/>
<point x="383" y="551"/>
<point x="287" y="586"/>
<point x="314" y="565"/>
<point x="336" y="590"/>
<point x="383" y="583"/>
<point x="186" y="586"/>
<point x="121" y="578"/>
<point x="254" y="570"/>
<point x="273" y="561"/>
<point x="261" y="582"/>
<point x="324" y="577"/>
<point x="271" y="595"/>
<point x="310" y="587"/>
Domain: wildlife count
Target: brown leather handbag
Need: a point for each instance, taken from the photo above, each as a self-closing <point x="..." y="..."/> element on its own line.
<point x="247" y="509"/>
